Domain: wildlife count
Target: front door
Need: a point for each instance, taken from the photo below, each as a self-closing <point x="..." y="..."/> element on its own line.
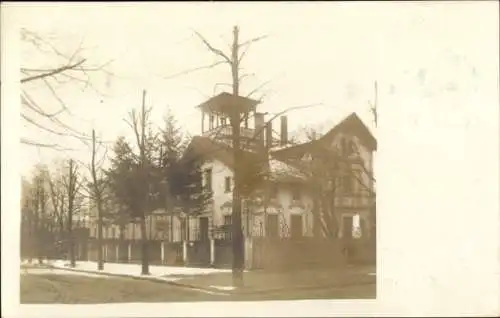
<point x="204" y="228"/>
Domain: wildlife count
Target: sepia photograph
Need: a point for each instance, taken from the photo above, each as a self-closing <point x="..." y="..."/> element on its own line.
<point x="174" y="153"/>
<point x="244" y="202"/>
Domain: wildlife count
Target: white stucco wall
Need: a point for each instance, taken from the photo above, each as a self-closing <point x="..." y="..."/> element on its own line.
<point x="219" y="173"/>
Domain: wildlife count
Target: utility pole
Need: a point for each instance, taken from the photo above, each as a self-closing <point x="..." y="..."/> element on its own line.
<point x="98" y="200"/>
<point x="237" y="233"/>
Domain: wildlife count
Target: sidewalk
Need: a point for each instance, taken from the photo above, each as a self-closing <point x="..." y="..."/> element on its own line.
<point x="165" y="274"/>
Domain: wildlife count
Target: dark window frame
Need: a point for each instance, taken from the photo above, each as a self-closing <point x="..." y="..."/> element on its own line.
<point x="208" y="180"/>
<point x="228" y="218"/>
<point x="227" y="185"/>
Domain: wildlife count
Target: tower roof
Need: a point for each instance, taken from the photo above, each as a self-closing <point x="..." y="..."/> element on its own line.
<point x="225" y="103"/>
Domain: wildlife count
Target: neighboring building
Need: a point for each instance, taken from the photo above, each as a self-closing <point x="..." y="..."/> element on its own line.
<point x="282" y="205"/>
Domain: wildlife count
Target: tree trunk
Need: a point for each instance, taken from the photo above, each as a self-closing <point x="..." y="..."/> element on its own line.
<point x="71" y="240"/>
<point x="100" y="256"/>
<point x="144" y="247"/>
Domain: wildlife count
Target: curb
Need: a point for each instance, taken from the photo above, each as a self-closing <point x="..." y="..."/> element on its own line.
<point x="143" y="278"/>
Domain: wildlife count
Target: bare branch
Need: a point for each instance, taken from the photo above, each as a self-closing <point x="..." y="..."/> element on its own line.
<point x="194" y="70"/>
<point x="53" y="72"/>
<point x="38" y="144"/>
<point x="248" y="44"/>
<point x="214" y="50"/>
<point x="258" y="88"/>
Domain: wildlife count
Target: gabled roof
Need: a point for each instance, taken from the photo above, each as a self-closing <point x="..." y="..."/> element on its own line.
<point x="353" y="125"/>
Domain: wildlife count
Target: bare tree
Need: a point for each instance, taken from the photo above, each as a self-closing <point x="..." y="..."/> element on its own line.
<point x="72" y="184"/>
<point x="57" y="70"/>
<point x="37" y="217"/>
<point x="233" y="60"/>
<point x="138" y="204"/>
<point x="58" y="201"/>
<point x="97" y="190"/>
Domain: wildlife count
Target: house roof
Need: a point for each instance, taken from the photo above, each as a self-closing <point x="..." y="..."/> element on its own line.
<point x="354" y="125"/>
<point x="284" y="172"/>
<point x="204" y="148"/>
<point x="207" y="148"/>
<point x="224" y="102"/>
<point x="351" y="124"/>
<point x="280" y="163"/>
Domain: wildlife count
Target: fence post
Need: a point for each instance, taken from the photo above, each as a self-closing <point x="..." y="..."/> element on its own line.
<point x="117" y="251"/>
<point x="212" y="251"/>
<point x="248" y="253"/>
<point x="129" y="253"/>
<point x="184" y="252"/>
<point x="163" y="252"/>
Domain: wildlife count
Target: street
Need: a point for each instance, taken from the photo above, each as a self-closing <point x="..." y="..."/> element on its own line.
<point x="58" y="286"/>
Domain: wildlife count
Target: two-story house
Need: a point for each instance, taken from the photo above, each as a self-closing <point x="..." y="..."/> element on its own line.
<point x="281" y="203"/>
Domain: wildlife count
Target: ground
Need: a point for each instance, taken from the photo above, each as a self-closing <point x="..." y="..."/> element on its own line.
<point x="58" y="286"/>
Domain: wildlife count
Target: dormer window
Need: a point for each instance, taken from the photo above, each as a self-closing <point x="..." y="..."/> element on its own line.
<point x="223" y="121"/>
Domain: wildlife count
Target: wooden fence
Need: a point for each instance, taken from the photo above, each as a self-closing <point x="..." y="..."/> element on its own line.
<point x="261" y="253"/>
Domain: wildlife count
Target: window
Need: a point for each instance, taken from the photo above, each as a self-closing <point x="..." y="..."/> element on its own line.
<point x="208" y="180"/>
<point x="351" y="148"/>
<point x="227" y="184"/>
<point x="223" y="121"/>
<point x="272" y="225"/>
<point x="296" y="226"/>
<point x="343" y="146"/>
<point x="228" y="219"/>
<point x="295" y="192"/>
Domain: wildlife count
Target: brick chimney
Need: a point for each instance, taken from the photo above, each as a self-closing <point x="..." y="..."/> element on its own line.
<point x="269" y="134"/>
<point x="284" y="131"/>
<point x="259" y="127"/>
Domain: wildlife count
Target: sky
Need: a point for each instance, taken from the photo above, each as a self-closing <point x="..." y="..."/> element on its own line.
<point x="329" y="56"/>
